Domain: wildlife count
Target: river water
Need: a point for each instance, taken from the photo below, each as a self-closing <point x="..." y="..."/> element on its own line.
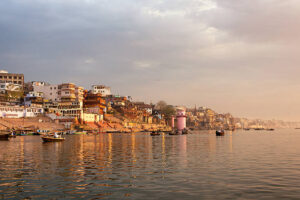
<point x="240" y="165"/>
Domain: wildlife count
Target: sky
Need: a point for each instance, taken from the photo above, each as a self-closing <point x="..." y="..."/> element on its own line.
<point x="236" y="56"/>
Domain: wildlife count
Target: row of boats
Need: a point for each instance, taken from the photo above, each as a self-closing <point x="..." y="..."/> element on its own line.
<point x="260" y="129"/>
<point x="173" y="132"/>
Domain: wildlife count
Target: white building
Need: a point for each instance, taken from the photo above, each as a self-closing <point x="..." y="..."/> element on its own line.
<point x="57" y="93"/>
<point x="19" y="111"/>
<point x="35" y="94"/>
<point x="101" y="89"/>
<point x="9" y="87"/>
<point x="50" y="92"/>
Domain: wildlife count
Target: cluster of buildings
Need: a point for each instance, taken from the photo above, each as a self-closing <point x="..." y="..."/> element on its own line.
<point x="71" y="104"/>
<point x="206" y="118"/>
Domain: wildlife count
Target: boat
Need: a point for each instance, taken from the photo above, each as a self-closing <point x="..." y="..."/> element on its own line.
<point x="220" y="133"/>
<point x="4" y="135"/>
<point x="42" y="132"/>
<point x="259" y="129"/>
<point x="270" y="129"/>
<point x="155" y="133"/>
<point x="184" y="131"/>
<point x="52" y="138"/>
<point x="80" y="133"/>
<point x="247" y="129"/>
<point x="174" y="132"/>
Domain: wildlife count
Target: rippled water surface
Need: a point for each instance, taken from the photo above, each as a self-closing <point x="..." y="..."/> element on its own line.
<point x="243" y="165"/>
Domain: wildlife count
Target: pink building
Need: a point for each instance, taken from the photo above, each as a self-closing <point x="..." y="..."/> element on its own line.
<point x="181" y="119"/>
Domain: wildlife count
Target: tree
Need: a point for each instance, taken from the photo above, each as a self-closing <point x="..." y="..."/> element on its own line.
<point x="166" y="110"/>
<point x="160" y="105"/>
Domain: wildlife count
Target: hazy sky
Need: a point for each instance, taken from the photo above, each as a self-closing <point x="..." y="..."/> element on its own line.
<point x="238" y="56"/>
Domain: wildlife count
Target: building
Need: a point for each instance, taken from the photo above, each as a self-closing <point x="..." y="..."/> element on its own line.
<point x="69" y="109"/>
<point x="66" y="92"/>
<point x="50" y="92"/>
<point x="34" y="98"/>
<point x="6" y="77"/>
<point x="142" y="106"/>
<point x="20" y="111"/>
<point x="9" y="87"/>
<point x="94" y="103"/>
<point x="101" y="89"/>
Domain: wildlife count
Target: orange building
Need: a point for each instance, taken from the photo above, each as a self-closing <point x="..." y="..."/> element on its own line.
<point x="94" y="103"/>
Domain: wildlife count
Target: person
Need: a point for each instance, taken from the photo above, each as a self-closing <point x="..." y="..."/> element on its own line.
<point x="55" y="135"/>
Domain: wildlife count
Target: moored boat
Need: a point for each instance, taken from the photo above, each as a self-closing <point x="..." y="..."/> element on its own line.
<point x="4" y="136"/>
<point x="174" y="132"/>
<point x="220" y="133"/>
<point x="155" y="133"/>
<point x="184" y="131"/>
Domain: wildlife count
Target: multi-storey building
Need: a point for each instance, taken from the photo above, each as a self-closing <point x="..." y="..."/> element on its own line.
<point x="101" y="89"/>
<point x="50" y="92"/>
<point x="6" y="77"/>
<point x="66" y="92"/>
<point x="94" y="103"/>
<point x="9" y="87"/>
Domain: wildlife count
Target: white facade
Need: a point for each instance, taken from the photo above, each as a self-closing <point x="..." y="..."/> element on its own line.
<point x="90" y="117"/>
<point x="19" y="111"/>
<point x="9" y="87"/>
<point x="101" y="89"/>
<point x="34" y="94"/>
<point x="57" y="93"/>
<point x="39" y="83"/>
<point x="50" y="92"/>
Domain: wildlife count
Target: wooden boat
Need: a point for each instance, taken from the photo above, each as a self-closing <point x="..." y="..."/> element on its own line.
<point x="12" y="136"/>
<point x="52" y="139"/>
<point x="4" y="136"/>
<point x="220" y="133"/>
<point x="155" y="133"/>
<point x="184" y="131"/>
<point x="259" y="129"/>
<point x="174" y="132"/>
<point x="270" y="129"/>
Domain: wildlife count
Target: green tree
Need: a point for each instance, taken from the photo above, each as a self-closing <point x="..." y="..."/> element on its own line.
<point x="166" y="110"/>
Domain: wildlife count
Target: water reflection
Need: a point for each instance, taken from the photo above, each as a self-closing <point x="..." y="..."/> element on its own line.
<point x="138" y="166"/>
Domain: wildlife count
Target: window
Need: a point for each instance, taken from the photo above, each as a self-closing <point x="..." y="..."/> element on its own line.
<point x="20" y="77"/>
<point x="50" y="93"/>
<point x="1" y="76"/>
<point x="15" y="82"/>
<point x="50" y="88"/>
<point x="5" y="76"/>
<point x="20" y="82"/>
<point x="10" y="77"/>
<point x="54" y="88"/>
<point x="15" y="77"/>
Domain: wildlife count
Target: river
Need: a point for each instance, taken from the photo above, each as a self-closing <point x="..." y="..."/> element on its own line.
<point x="239" y="165"/>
